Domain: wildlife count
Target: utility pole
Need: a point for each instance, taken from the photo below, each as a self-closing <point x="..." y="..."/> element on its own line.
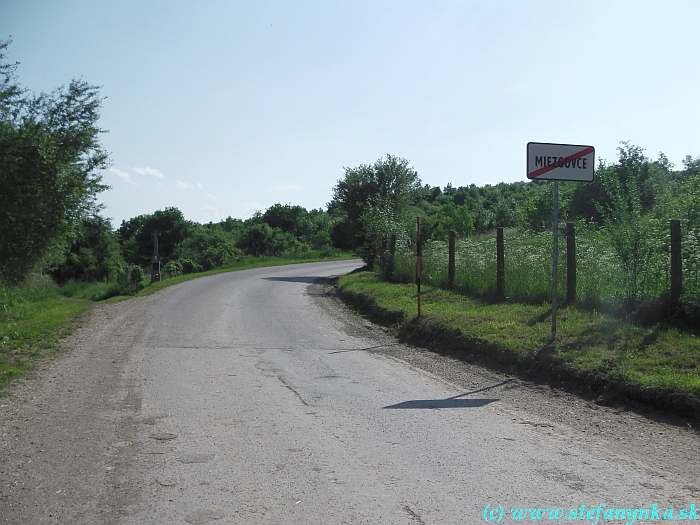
<point x="155" y="260"/>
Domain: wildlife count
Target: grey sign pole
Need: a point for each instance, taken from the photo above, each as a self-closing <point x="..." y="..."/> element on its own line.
<point x="555" y="260"/>
<point x="547" y="161"/>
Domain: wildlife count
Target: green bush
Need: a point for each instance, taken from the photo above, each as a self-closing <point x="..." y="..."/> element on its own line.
<point x="172" y="268"/>
<point x="189" y="266"/>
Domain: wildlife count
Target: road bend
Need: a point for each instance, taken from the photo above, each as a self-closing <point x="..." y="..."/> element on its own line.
<point x="281" y="417"/>
<point x="252" y="403"/>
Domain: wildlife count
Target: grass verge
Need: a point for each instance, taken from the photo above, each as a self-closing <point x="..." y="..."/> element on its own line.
<point x="37" y="314"/>
<point x="610" y="357"/>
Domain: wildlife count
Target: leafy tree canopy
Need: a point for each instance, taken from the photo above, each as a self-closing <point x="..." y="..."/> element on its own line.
<point x="137" y="240"/>
<point x="208" y="247"/>
<point x="373" y="199"/>
<point x="50" y="157"/>
<point x="94" y="254"/>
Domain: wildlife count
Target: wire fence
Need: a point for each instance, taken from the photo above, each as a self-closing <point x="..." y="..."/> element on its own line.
<point x="604" y="277"/>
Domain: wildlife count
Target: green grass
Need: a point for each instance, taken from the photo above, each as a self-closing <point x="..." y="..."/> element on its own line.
<point x="35" y="315"/>
<point x="589" y="344"/>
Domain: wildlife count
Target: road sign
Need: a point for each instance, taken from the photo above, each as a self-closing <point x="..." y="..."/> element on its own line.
<point x="557" y="162"/>
<point x="560" y="161"/>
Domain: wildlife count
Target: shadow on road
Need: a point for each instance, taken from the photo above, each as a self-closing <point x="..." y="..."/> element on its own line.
<point x="298" y="279"/>
<point x="452" y="402"/>
<point x="362" y="349"/>
<point x="341" y="351"/>
<point x="443" y="403"/>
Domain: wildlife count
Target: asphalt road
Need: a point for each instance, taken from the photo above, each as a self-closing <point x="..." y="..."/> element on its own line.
<point x="247" y="397"/>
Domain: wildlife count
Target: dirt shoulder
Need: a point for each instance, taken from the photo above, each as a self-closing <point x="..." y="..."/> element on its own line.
<point x="64" y="428"/>
<point x="658" y="442"/>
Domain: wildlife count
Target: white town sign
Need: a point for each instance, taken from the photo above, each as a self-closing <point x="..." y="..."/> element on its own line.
<point x="560" y="161"/>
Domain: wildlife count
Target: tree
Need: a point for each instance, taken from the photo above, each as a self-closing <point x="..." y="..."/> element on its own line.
<point x="233" y="226"/>
<point x="261" y="239"/>
<point x="630" y="189"/>
<point x="136" y="239"/>
<point x="291" y="219"/>
<point x="537" y="212"/>
<point x="94" y="255"/>
<point x="374" y="200"/>
<point x="50" y="155"/>
<point x="692" y="165"/>
<point x="441" y="219"/>
<point x="633" y="170"/>
<point x="208" y="247"/>
<point x="321" y="230"/>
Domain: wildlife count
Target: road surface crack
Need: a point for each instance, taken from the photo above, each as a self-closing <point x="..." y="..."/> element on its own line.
<point x="415" y="517"/>
<point x="292" y="389"/>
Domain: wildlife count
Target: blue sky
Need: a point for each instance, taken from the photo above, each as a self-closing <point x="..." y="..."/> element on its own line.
<point x="224" y="107"/>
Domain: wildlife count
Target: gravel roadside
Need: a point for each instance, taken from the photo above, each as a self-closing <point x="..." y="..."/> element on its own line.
<point x="64" y="428"/>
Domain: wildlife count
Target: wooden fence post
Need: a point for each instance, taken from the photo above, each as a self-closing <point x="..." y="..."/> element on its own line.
<point x="676" y="264"/>
<point x="570" y="263"/>
<point x="500" y="265"/>
<point x="451" y="262"/>
<point x="390" y="263"/>
<point x="419" y="252"/>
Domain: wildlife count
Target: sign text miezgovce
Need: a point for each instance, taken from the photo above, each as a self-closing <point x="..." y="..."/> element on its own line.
<point x="547" y="161"/>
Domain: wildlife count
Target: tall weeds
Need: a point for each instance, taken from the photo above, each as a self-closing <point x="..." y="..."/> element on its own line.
<point x="34" y="288"/>
<point x="604" y="277"/>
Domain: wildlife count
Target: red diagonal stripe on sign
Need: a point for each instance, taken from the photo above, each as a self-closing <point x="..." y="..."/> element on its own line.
<point x="554" y="166"/>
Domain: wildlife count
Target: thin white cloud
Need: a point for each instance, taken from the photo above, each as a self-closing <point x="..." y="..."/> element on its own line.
<point x="252" y="206"/>
<point x="123" y="175"/>
<point x="183" y="185"/>
<point x="213" y="211"/>
<point x="290" y="187"/>
<point x="149" y="171"/>
<point x="186" y="185"/>
<point x="211" y="196"/>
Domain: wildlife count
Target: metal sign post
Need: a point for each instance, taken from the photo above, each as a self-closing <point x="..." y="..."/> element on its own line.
<point x="546" y="161"/>
<point x="555" y="260"/>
